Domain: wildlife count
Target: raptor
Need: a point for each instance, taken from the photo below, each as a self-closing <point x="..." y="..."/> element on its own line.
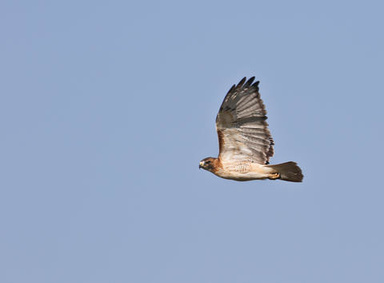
<point x="245" y="142"/>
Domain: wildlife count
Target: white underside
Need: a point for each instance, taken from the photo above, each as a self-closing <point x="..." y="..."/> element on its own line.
<point x="242" y="172"/>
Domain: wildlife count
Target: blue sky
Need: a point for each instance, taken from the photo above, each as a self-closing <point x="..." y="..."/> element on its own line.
<point x="106" y="109"/>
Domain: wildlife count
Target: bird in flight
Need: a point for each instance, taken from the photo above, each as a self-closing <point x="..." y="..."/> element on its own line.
<point x="245" y="143"/>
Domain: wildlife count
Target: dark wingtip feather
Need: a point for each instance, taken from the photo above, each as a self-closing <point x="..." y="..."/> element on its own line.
<point x="231" y="89"/>
<point x="240" y="84"/>
<point x="249" y="82"/>
<point x="244" y="83"/>
<point x="255" y="86"/>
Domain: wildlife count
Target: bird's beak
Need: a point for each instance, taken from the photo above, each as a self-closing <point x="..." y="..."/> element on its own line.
<point x="201" y="164"/>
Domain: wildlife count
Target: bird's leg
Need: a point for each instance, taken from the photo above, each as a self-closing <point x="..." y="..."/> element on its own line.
<point x="274" y="176"/>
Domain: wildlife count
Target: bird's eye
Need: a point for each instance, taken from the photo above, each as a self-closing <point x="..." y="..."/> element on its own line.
<point x="208" y="162"/>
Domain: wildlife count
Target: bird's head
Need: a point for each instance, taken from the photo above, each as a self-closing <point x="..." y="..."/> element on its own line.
<point x="207" y="163"/>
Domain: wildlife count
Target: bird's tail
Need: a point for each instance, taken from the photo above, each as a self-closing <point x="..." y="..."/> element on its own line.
<point x="288" y="171"/>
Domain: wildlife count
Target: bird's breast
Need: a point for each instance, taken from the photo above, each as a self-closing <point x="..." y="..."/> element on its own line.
<point x="241" y="171"/>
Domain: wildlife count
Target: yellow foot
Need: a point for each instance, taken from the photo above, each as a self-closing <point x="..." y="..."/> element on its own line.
<point x="274" y="176"/>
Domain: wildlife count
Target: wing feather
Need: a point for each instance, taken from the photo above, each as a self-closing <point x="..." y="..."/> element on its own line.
<point x="241" y="125"/>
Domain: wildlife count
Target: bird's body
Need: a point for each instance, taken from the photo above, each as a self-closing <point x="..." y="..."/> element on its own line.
<point x="245" y="143"/>
<point x="242" y="171"/>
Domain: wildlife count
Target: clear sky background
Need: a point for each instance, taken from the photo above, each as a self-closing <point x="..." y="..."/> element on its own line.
<point x="107" y="107"/>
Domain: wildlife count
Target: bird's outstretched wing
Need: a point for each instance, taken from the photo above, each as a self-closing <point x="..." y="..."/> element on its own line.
<point x="241" y="125"/>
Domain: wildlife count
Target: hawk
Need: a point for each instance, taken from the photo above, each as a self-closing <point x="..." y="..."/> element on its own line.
<point x="245" y="143"/>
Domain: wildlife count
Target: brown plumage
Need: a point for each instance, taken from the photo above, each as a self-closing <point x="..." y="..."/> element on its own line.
<point x="245" y="143"/>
